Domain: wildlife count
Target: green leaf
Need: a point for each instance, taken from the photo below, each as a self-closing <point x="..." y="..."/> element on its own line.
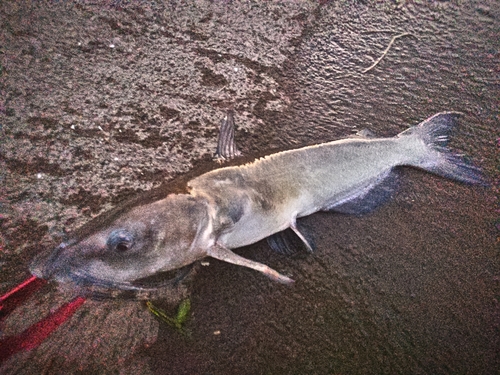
<point x="177" y="322"/>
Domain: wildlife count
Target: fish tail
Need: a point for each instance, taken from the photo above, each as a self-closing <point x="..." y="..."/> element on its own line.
<point x="437" y="157"/>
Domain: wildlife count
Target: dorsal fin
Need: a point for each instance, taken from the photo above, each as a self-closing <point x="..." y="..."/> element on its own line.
<point x="226" y="146"/>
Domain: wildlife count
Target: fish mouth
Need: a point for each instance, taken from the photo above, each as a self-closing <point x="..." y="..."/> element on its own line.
<point x="79" y="281"/>
<point x="44" y="266"/>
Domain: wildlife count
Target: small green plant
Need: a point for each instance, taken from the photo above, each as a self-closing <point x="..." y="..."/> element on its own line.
<point x="180" y="318"/>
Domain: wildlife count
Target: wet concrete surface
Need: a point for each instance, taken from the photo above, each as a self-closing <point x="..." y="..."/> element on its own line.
<point x="101" y="102"/>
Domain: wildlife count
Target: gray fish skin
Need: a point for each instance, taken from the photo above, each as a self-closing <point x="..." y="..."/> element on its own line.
<point x="236" y="206"/>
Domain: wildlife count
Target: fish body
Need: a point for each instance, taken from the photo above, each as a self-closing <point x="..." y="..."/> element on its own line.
<point x="236" y="206"/>
<point x="266" y="196"/>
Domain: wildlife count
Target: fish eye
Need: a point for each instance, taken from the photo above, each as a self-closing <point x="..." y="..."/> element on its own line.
<point x="120" y="240"/>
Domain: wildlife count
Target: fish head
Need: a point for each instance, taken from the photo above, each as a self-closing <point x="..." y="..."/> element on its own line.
<point x="140" y="242"/>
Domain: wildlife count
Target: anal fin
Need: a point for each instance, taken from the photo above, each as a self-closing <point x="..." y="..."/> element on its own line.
<point x="366" y="199"/>
<point x="222" y="253"/>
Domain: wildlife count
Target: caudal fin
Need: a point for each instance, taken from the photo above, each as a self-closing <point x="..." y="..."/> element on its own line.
<point x="439" y="159"/>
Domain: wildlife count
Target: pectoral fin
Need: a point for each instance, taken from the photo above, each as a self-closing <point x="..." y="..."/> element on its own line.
<point x="219" y="252"/>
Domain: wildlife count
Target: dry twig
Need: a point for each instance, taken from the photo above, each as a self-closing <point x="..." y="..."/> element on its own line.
<point x="385" y="52"/>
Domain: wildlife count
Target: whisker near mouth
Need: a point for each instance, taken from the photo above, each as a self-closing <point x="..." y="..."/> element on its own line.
<point x="165" y="279"/>
<point x="83" y="280"/>
<point x="99" y="289"/>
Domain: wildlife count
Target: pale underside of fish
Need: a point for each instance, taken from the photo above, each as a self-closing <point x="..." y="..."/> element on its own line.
<point x="235" y="206"/>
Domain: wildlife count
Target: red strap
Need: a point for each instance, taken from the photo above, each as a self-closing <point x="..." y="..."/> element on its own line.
<point x="16" y="296"/>
<point x="34" y="335"/>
